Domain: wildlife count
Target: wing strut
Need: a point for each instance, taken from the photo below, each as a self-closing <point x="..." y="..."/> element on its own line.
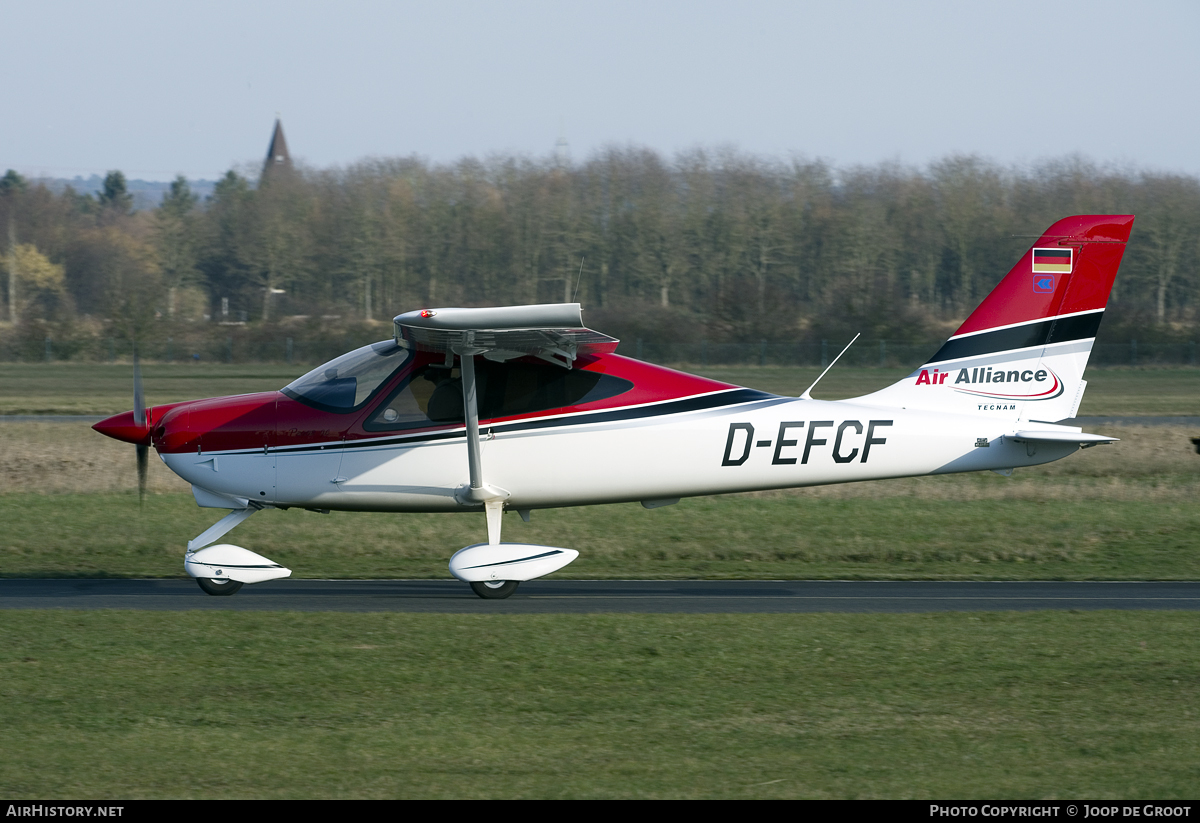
<point x="552" y="332"/>
<point x="492" y="497"/>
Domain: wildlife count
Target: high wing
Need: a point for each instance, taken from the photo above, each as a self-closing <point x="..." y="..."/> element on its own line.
<point x="553" y="332"/>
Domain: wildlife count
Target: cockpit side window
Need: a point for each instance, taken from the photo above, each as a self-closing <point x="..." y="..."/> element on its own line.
<point x="433" y="394"/>
<point x="347" y="383"/>
<point x="430" y="396"/>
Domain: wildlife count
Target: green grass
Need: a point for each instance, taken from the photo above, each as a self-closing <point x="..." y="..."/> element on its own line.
<point x="101" y="388"/>
<point x="286" y="705"/>
<point x="1116" y="392"/>
<point x="89" y="388"/>
<point x="1038" y="533"/>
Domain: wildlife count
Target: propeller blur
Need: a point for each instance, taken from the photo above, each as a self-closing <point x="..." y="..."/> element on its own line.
<point x="523" y="408"/>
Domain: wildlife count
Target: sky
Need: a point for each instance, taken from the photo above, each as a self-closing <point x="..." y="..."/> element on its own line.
<point x="157" y="89"/>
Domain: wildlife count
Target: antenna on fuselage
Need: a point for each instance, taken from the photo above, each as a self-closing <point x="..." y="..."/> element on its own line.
<point x="578" y="277"/>
<point x="807" y="395"/>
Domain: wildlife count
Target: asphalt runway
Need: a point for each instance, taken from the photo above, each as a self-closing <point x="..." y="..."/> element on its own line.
<point x="603" y="596"/>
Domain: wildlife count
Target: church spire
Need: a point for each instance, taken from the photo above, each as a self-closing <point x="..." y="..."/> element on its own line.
<point x="278" y="158"/>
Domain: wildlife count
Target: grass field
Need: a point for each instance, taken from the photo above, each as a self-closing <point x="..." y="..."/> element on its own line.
<point x="210" y="705"/>
<point x="98" y="388"/>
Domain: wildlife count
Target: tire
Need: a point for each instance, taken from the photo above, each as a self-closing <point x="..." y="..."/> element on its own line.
<point x="218" y="588"/>
<point x="497" y="590"/>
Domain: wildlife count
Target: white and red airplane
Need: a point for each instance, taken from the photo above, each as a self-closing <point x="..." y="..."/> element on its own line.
<point x="523" y="408"/>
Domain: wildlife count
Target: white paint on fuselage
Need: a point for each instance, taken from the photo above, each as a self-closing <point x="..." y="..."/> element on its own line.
<point x="648" y="458"/>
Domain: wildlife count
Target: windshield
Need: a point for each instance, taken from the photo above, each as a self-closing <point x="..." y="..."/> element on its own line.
<point x="346" y="383"/>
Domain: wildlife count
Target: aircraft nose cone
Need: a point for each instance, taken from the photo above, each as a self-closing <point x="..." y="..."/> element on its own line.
<point x="123" y="427"/>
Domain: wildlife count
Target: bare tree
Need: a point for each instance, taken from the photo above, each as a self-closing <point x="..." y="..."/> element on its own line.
<point x="1170" y="228"/>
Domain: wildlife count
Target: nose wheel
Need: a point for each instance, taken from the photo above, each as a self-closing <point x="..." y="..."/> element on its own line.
<point x="220" y="588"/>
<point x="495" y="589"/>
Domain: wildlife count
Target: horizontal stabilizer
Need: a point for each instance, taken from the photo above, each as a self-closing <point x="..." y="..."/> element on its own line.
<point x="1062" y="436"/>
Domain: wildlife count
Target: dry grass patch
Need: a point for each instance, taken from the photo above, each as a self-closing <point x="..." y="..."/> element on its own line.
<point x="58" y="458"/>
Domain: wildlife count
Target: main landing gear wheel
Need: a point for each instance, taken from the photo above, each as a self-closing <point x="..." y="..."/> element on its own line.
<point x="495" y="589"/>
<point x="219" y="588"/>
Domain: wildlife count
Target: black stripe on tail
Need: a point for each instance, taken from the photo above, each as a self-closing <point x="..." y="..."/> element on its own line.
<point x="1037" y="333"/>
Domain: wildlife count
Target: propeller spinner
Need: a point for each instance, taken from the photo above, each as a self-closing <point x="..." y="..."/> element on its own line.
<point x="133" y="427"/>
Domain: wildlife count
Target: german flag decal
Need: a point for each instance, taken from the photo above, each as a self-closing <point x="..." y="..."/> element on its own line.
<point x="1052" y="261"/>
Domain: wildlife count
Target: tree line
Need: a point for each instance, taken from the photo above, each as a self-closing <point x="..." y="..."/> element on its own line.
<point x="708" y="245"/>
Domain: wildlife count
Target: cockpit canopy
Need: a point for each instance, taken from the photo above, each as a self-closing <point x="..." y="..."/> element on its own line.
<point x="431" y="392"/>
<point x="346" y="383"/>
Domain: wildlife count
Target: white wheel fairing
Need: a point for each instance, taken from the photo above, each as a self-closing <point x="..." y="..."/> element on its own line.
<point x="225" y="561"/>
<point x="502" y="562"/>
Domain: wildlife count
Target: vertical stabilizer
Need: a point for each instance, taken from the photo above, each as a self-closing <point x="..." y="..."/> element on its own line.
<point x="1022" y="352"/>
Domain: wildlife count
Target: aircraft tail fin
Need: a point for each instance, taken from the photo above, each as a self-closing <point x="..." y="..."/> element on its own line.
<point x="1022" y="352"/>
